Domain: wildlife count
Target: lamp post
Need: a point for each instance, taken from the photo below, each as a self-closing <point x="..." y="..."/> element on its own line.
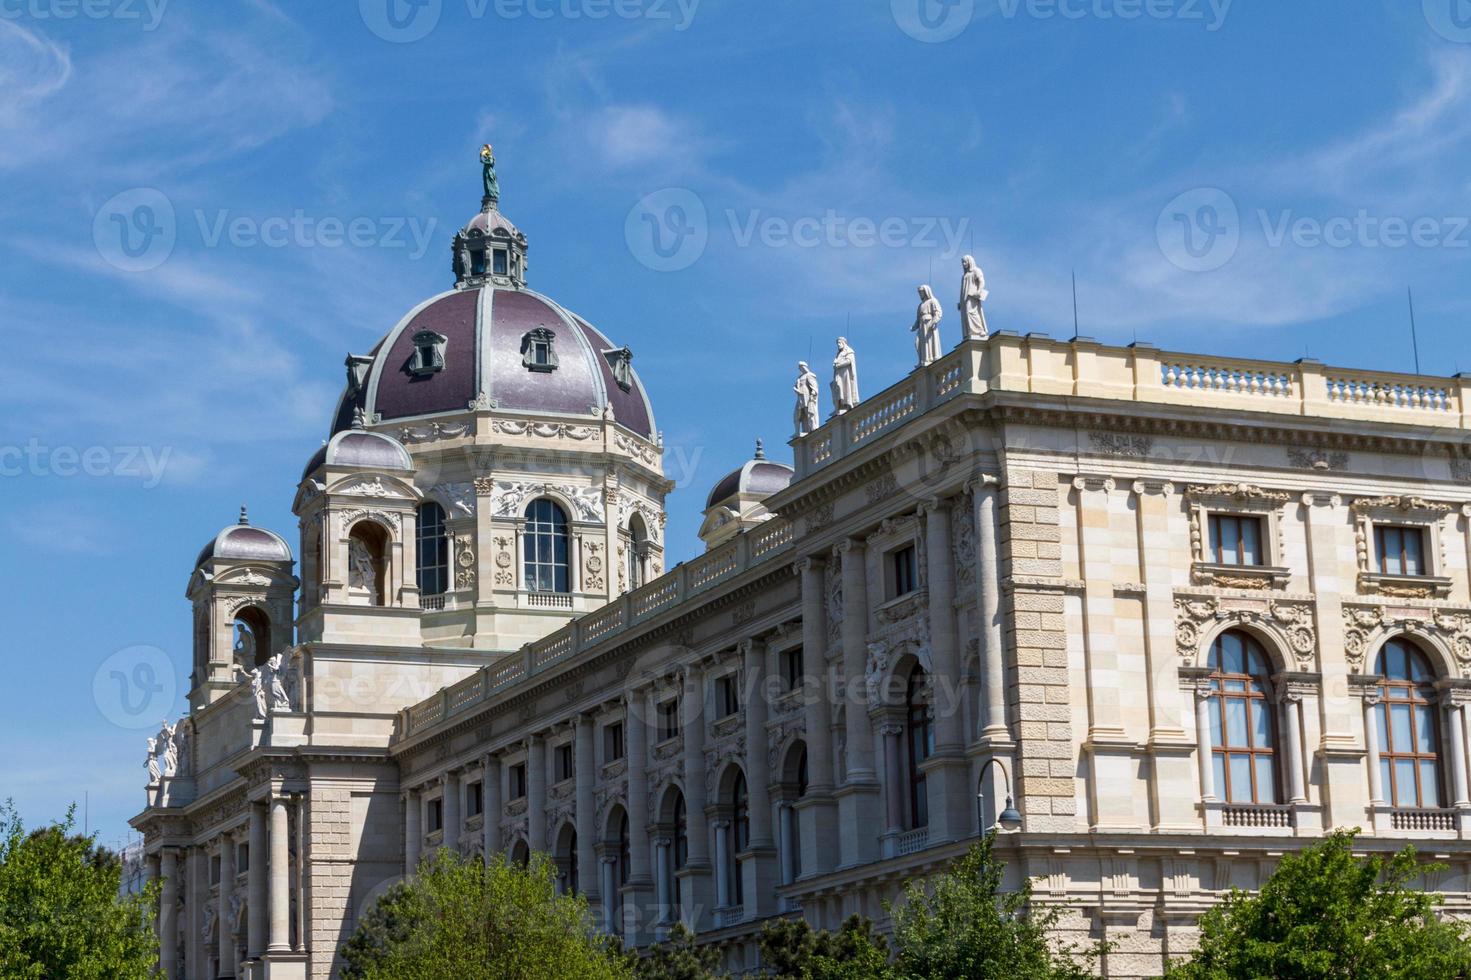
<point x="1008" y="818"/>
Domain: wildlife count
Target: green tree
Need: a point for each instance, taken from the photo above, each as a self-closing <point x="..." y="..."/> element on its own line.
<point x="678" y="958"/>
<point x="962" y="925"/>
<point x="1326" y="914"/>
<point x="793" y="950"/>
<point x="60" y="911"/>
<point x="460" y="918"/>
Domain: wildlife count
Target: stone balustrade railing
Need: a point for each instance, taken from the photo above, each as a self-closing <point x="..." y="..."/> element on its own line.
<point x="750" y="548"/>
<point x="1083" y="368"/>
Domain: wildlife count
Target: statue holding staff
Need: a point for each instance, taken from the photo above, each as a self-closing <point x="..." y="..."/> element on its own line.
<point x="845" y="378"/>
<point x="805" y="414"/>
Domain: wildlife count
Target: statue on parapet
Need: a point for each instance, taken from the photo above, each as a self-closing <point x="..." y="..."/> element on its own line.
<point x="805" y="414"/>
<point x="845" y="378"/>
<point x="972" y="300"/>
<point x="487" y="176"/>
<point x="927" y="327"/>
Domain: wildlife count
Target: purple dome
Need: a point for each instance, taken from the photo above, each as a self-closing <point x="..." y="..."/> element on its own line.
<point x="241" y="542"/>
<point x="758" y="477"/>
<point x="357" y="447"/>
<point x="482" y="332"/>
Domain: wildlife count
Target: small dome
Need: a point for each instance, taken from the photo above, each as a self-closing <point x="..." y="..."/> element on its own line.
<point x="241" y="542"/>
<point x="358" y="447"/>
<point x="758" y="477"/>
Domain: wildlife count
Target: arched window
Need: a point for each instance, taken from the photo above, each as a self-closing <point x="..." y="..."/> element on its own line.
<point x="1409" y="769"/>
<point x="520" y="854"/>
<point x="919" y="736"/>
<point x="252" y="641"/>
<point x="800" y="772"/>
<point x="367" y="563"/>
<point x="681" y="845"/>
<point x="1242" y="733"/>
<point x="432" y="550"/>
<point x="567" y="860"/>
<point x="621" y="841"/>
<point x="740" y="835"/>
<point x="546" y="548"/>
<point x="638" y="551"/>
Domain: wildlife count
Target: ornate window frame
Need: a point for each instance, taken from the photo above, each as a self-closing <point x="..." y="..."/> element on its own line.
<point x="1401" y="511"/>
<point x="621" y="363"/>
<point x="1237" y="500"/>
<point x="428" y="356"/>
<point x="534" y="341"/>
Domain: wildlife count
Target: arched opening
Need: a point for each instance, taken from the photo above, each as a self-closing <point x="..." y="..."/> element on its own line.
<point x="1243" y="736"/>
<point x="565" y="856"/>
<point x="520" y="854"/>
<point x="739" y="836"/>
<point x="793" y="788"/>
<point x="674" y="847"/>
<point x="638" y="551"/>
<point x="252" y="637"/>
<point x="311" y="567"/>
<point x="201" y="642"/>
<point x="431" y="550"/>
<point x="1409" y="731"/>
<point x="617" y="847"/>
<point x="367" y="564"/>
<point x="546" y="544"/>
<point x="919" y="740"/>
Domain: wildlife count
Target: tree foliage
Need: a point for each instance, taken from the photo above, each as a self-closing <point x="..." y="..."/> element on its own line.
<point x="678" y="958"/>
<point x="962" y="925"/>
<point x="460" y="918"/>
<point x="793" y="950"/>
<point x="60" y="911"/>
<point x="1326" y="915"/>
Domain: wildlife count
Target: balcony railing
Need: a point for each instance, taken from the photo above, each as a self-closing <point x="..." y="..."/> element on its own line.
<point x="748" y="550"/>
<point x="1422" y="819"/>
<point x="1040" y="365"/>
<point x="912" y="841"/>
<point x="1263" y="815"/>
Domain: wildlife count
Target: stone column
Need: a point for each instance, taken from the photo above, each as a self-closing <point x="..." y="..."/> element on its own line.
<point x="1203" y="747"/>
<point x="168" y="921"/>
<point x="585" y="817"/>
<point x="227" y="891"/>
<point x="894" y="788"/>
<point x="761" y="872"/>
<point x="490" y="789"/>
<point x="695" y="894"/>
<point x="722" y="864"/>
<point x="413" y="831"/>
<point x="988" y="607"/>
<point x="789" y="843"/>
<point x="1296" y="790"/>
<point x="1371" y="746"/>
<point x="636" y="744"/>
<point x="255" y="884"/>
<point x="280" y="878"/>
<point x="450" y="811"/>
<point x="536" y="793"/>
<point x="1458" y="754"/>
<point x="947" y="779"/>
<point x="858" y="842"/>
<point x="609" y="884"/>
<point x="196" y="897"/>
<point x="661" y="878"/>
<point x="819" y="825"/>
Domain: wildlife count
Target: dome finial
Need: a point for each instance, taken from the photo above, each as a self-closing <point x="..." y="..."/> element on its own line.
<point x="358" y="421"/>
<point x="491" y="186"/>
<point x="244" y="517"/>
<point x="760" y="449"/>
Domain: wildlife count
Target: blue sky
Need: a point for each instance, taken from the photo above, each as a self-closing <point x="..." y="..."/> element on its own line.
<point x="1246" y="178"/>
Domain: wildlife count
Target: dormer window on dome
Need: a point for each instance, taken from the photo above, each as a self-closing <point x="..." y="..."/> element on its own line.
<point x="538" y="350"/>
<point x="428" y="356"/>
<point x="621" y="361"/>
<point x="358" y="366"/>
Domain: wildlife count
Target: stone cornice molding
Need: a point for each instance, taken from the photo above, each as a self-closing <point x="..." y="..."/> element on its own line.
<point x="1236" y="493"/>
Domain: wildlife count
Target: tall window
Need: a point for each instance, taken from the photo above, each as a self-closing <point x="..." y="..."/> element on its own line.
<point x="796" y="842"/>
<point x="791" y="667"/>
<point x="367" y="563"/>
<point x="432" y="550"/>
<point x="903" y="571"/>
<point x="740" y="836"/>
<point x="1400" y="550"/>
<point x="1409" y="769"/>
<point x="546" y="547"/>
<point x="920" y="738"/>
<point x="621" y="840"/>
<point x="1236" y="540"/>
<point x="638" y="551"/>
<point x="1241" y="721"/>
<point x="681" y="845"/>
<point x="668" y="719"/>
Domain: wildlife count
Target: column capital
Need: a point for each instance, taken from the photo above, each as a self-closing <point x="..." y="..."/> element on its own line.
<point x="1142" y="487"/>
<point x="1321" y="498"/>
<point x="751" y="645"/>
<point x="810" y="563"/>
<point x="935" y="505"/>
<point x="847" y="545"/>
<point x="1094" y="483"/>
<point x="983" y="482"/>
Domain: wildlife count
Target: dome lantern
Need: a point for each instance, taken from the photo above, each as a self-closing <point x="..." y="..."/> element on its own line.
<point x="489" y="249"/>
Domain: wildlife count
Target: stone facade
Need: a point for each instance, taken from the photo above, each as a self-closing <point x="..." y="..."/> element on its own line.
<point x="1010" y="582"/>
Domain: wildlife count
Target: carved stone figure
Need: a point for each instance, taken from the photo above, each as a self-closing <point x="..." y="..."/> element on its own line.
<point x="257" y="688"/>
<point x="181" y="748"/>
<point x="244" y="644"/>
<point x="845" y="378"/>
<point x="487" y="174"/>
<point x="168" y="752"/>
<point x="927" y="326"/>
<point x="274" y="684"/>
<point x="805" y="414"/>
<point x="972" y="299"/>
<point x="152" y="761"/>
<point x="362" y="573"/>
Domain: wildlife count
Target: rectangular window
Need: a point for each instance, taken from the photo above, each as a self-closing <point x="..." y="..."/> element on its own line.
<point x="727" y="695"/>
<point x="242" y="859"/>
<point x="500" y="261"/>
<point x="1236" y="540"/>
<point x="518" y="781"/>
<point x="1400" y="550"/>
<point x="791" y="667"/>
<point x="436" y="815"/>
<point x="903" y="571"/>
<point x="214" y="869"/>
<point x="668" y="712"/>
<point x="564" y="763"/>
<point x="475" y="799"/>
<point x="613" y="742"/>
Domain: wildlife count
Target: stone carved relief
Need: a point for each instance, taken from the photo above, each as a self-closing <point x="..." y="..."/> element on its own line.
<point x="964" y="547"/>
<point x="636" y="448"/>
<point x="780" y="738"/>
<point x="819" y="517"/>
<point x="507" y="499"/>
<point x="504" y="576"/>
<point x="832" y="583"/>
<point x="459" y="496"/>
<point x="369" y="488"/>
<point x="434" y="430"/>
<point x="1291" y="622"/>
<point x="464" y="562"/>
<point x="1317" y="459"/>
<point x="1239" y="492"/>
<point x="386" y="518"/>
<point x="592" y="566"/>
<point x="1363" y="626"/>
<point x="1121" y="444"/>
<point x="544" y="430"/>
<point x="883" y="488"/>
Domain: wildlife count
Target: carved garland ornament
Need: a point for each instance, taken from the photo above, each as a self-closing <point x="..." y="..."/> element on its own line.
<point x="1361" y="623"/>
<point x="1292" y="620"/>
<point x="464" y="562"/>
<point x="386" y="518"/>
